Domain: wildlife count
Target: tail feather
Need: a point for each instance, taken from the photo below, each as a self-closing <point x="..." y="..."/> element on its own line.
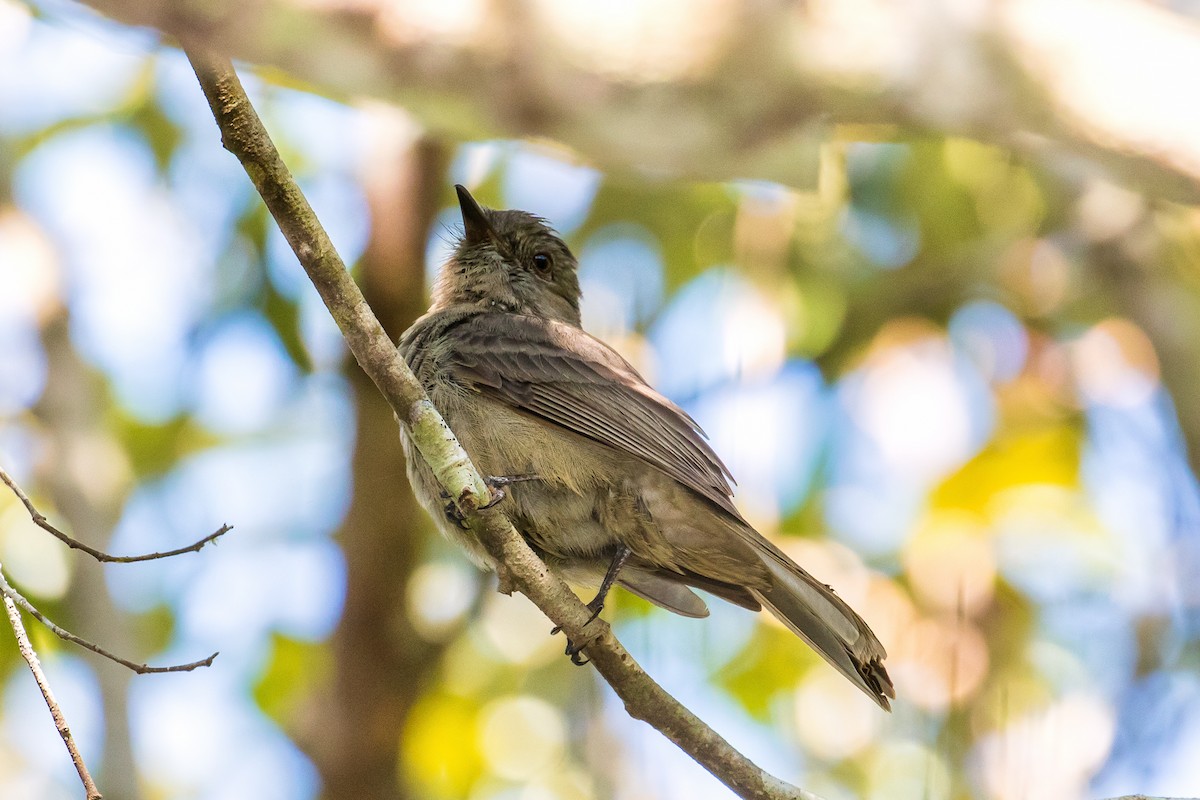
<point x="813" y="612"/>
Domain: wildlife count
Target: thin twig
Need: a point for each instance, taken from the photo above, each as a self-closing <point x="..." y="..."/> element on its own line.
<point x="40" y="520"/>
<point x="242" y="133"/>
<point x="12" y="595"/>
<point x="60" y="721"/>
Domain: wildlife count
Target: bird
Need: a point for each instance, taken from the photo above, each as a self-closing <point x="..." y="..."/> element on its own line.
<point x="608" y="481"/>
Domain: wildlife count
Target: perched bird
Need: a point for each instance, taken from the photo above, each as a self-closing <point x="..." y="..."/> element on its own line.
<point x="608" y="481"/>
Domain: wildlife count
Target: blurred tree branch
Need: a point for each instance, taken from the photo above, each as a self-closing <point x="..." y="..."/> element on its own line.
<point x="13" y="599"/>
<point x="243" y="135"/>
<point x="90" y="499"/>
<point x="105" y="558"/>
<point x="13" y="596"/>
<point x="60" y="720"/>
<point x="741" y="90"/>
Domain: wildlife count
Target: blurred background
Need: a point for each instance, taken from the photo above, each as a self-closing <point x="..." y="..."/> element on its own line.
<point x="936" y="302"/>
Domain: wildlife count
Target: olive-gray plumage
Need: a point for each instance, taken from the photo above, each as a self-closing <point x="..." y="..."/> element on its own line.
<point x="529" y="392"/>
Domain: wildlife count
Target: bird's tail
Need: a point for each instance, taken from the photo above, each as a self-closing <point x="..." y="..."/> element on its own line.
<point x="812" y="611"/>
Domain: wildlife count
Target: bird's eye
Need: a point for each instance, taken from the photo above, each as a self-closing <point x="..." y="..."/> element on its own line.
<point x="541" y="263"/>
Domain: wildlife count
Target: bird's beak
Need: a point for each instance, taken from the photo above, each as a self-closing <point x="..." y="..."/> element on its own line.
<point x="475" y="222"/>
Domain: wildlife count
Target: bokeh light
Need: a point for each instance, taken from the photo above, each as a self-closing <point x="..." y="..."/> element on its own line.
<point x="951" y="378"/>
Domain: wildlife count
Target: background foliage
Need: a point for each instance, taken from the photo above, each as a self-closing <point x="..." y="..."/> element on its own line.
<point x="953" y="380"/>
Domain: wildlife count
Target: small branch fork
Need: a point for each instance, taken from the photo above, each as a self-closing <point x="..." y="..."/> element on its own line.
<point x="14" y="600"/>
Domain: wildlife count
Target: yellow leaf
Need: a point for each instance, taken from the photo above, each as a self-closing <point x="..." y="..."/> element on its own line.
<point x="1048" y="455"/>
<point x="439" y="750"/>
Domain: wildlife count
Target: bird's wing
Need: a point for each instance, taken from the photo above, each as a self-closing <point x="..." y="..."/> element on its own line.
<point x="564" y="375"/>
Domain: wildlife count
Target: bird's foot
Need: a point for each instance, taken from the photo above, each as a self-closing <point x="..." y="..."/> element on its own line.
<point x="576" y="654"/>
<point x="596" y="604"/>
<point x="497" y="483"/>
<point x="575" y="651"/>
<point x="455" y="516"/>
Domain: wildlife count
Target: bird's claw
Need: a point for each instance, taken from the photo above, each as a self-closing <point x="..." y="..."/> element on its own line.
<point x="455" y="516"/>
<point x="498" y="494"/>
<point x="575" y="651"/>
<point x="496" y="484"/>
<point x="595" y="608"/>
<point x="576" y="654"/>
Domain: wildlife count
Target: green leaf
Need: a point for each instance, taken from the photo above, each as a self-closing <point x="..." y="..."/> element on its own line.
<point x="155" y="448"/>
<point x="768" y="665"/>
<point x="295" y="672"/>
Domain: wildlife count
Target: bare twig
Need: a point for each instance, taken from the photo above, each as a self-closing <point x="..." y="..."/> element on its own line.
<point x="12" y="595"/>
<point x="40" y="520"/>
<point x="243" y="135"/>
<point x="60" y="721"/>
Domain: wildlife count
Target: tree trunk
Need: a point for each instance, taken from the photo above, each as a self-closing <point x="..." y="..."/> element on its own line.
<point x="87" y="479"/>
<point x="382" y="663"/>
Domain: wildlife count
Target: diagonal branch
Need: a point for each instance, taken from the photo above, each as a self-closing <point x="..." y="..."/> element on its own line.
<point x="11" y="595"/>
<point x="60" y="720"/>
<point x="40" y="520"/>
<point x="242" y="133"/>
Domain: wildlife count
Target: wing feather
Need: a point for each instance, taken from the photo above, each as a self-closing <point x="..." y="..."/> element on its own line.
<point x="564" y="375"/>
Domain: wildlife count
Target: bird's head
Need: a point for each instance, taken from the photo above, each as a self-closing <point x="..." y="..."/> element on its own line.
<point x="511" y="261"/>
